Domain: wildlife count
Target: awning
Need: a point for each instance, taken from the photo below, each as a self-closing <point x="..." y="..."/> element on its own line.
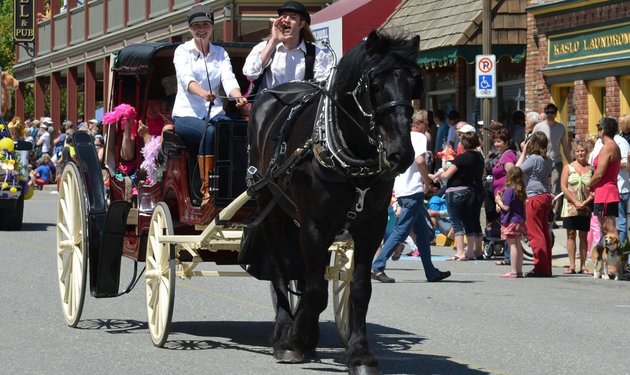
<point x="444" y="56"/>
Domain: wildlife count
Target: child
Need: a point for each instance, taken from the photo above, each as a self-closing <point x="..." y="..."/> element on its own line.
<point x="511" y="200"/>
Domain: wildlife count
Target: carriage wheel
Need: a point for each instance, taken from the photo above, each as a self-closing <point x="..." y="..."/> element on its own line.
<point x="160" y="276"/>
<point x="341" y="291"/>
<point x="72" y="252"/>
<point x="294" y="299"/>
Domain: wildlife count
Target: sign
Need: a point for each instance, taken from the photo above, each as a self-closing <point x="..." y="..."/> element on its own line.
<point x="24" y="21"/>
<point x="591" y="45"/>
<point x="485" y="76"/>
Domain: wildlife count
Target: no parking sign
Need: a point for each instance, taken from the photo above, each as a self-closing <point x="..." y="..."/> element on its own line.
<point x="485" y="76"/>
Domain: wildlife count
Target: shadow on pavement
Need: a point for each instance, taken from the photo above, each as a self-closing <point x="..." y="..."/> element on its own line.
<point x="398" y="351"/>
<point x="37" y="227"/>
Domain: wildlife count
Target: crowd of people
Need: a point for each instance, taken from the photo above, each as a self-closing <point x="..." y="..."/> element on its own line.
<point x="52" y="145"/>
<point x="530" y="163"/>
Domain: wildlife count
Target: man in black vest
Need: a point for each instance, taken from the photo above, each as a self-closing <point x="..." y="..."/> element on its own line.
<point x="289" y="52"/>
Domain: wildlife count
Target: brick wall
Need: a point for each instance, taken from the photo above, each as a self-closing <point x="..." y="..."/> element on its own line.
<point x="537" y="93"/>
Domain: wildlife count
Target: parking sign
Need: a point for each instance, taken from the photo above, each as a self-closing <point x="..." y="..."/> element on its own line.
<point x="485" y="76"/>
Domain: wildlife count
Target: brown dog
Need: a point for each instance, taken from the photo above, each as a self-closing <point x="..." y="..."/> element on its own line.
<point x="608" y="255"/>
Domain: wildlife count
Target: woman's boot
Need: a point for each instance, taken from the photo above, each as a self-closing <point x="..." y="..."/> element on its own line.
<point x="206" y="166"/>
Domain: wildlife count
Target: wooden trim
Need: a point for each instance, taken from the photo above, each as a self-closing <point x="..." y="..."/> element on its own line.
<point x="595" y="113"/>
<point x="563" y="6"/>
<point x="89" y="82"/>
<point x="55" y="98"/>
<point x="72" y="94"/>
<point x="624" y="95"/>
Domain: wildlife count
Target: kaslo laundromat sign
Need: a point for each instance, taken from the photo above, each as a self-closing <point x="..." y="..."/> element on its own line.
<point x="24" y="21"/>
<point x="604" y="43"/>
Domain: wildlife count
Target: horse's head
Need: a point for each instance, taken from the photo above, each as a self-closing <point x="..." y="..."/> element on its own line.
<point x="383" y="94"/>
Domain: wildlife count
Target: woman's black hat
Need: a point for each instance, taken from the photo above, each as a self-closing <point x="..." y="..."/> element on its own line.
<point x="295" y="7"/>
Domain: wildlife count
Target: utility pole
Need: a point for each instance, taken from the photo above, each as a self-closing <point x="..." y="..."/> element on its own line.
<point x="486" y="104"/>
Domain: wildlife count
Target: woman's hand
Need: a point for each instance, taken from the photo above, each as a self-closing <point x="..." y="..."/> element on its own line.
<point x="240" y="102"/>
<point x="142" y="128"/>
<point x="277" y="35"/>
<point x="209" y="96"/>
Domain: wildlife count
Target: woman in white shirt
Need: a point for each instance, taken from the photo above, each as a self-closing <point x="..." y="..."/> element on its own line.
<point x="201" y="69"/>
<point x="282" y="58"/>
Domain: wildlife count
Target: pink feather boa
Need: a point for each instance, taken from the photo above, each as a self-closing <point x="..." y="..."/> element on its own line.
<point x="121" y="112"/>
<point x="150" y="153"/>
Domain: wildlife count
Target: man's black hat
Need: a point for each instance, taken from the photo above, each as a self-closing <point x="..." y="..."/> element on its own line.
<point x="295" y="7"/>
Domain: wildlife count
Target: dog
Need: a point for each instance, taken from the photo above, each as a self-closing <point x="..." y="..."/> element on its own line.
<point x="608" y="255"/>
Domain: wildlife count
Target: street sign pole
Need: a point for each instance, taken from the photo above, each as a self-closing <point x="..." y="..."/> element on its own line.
<point x="486" y="104"/>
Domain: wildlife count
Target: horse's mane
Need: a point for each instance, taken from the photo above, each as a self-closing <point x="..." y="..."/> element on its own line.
<point x="391" y="52"/>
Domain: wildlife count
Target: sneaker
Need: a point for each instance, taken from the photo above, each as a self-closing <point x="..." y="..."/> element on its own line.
<point x="440" y="276"/>
<point x="382" y="277"/>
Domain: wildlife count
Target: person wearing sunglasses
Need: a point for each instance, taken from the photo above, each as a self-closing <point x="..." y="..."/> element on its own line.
<point x="557" y="135"/>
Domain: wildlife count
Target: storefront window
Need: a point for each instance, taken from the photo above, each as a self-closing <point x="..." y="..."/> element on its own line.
<point x="440" y="88"/>
<point x="596" y="103"/>
<point x="563" y="97"/>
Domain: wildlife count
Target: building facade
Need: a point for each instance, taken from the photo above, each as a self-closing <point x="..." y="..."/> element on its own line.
<point x="578" y="57"/>
<point x="450" y="38"/>
<point x="74" y="47"/>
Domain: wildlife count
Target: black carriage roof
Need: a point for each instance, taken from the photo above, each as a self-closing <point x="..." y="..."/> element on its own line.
<point x="138" y="58"/>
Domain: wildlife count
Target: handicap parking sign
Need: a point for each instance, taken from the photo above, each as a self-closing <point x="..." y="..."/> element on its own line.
<point x="485" y="82"/>
<point x="485" y="75"/>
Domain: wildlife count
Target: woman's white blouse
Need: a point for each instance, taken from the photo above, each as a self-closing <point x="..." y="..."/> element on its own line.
<point x="190" y="65"/>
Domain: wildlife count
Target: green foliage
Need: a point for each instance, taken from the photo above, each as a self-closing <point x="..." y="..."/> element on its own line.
<point x="7" y="49"/>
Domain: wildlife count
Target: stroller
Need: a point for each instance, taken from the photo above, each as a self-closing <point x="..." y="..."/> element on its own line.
<point x="493" y="245"/>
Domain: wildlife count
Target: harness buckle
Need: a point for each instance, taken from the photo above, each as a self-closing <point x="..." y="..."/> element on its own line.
<point x="251" y="170"/>
<point x="351" y="215"/>
<point x="283" y="147"/>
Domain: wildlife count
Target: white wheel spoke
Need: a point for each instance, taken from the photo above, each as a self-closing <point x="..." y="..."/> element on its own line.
<point x="64" y="230"/>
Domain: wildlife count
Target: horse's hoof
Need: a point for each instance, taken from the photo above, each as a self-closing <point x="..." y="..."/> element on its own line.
<point x="288" y="356"/>
<point x="363" y="370"/>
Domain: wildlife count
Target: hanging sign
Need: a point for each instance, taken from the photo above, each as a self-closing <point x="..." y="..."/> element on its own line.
<point x="24" y="21"/>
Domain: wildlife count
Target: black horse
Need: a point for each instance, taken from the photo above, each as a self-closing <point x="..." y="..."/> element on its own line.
<point x="324" y="160"/>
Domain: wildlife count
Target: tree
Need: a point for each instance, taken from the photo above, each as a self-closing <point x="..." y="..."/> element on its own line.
<point x="7" y="48"/>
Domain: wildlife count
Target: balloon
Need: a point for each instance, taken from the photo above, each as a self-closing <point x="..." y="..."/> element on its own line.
<point x="29" y="193"/>
<point x="6" y="143"/>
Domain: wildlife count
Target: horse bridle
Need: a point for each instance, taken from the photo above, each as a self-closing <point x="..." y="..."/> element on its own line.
<point x="363" y="84"/>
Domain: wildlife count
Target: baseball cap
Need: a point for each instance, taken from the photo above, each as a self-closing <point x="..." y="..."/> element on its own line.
<point x="467" y="128"/>
<point x="47" y="120"/>
<point x="494" y="125"/>
<point x="93" y="121"/>
<point x="67" y="123"/>
<point x="200" y="13"/>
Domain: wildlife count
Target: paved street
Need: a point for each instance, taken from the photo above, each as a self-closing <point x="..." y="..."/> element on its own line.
<point x="472" y="323"/>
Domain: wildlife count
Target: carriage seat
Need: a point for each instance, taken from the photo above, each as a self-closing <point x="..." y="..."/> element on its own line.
<point x="171" y="142"/>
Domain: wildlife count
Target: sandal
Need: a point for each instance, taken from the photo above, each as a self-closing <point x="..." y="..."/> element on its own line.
<point x="512" y="275"/>
<point x="456" y="258"/>
<point x="570" y="271"/>
<point x="502" y="263"/>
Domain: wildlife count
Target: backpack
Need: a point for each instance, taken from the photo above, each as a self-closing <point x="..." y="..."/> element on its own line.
<point x="309" y="69"/>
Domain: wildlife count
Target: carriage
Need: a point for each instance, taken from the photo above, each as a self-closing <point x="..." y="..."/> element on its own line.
<point x="105" y="214"/>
